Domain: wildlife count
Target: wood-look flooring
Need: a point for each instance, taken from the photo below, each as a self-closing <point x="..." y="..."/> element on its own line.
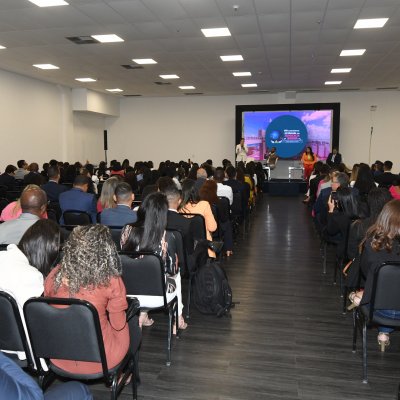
<point x="287" y="339"/>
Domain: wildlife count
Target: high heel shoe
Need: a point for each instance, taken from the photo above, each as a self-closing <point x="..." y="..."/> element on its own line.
<point x="383" y="340"/>
<point x="355" y="299"/>
<point x="181" y="325"/>
<point x="144" y="320"/>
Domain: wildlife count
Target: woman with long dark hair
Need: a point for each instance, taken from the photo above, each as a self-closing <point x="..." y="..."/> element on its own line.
<point x="381" y="244"/>
<point x="149" y="233"/>
<point x="192" y="204"/>
<point x="364" y="181"/>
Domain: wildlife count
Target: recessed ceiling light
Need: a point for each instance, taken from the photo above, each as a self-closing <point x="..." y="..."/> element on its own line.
<point x="186" y="87"/>
<point x="85" y="79"/>
<point x="116" y="90"/>
<point x="249" y="85"/>
<point x="169" y="76"/>
<point x="356" y="52"/>
<point x="144" y="61"/>
<point x="241" y="73"/>
<point x="107" y="38"/>
<point x="333" y="82"/>
<point x="340" y="70"/>
<point x="46" y="66"/>
<point x="237" y="57"/>
<point x="370" y="23"/>
<point x="216" y="32"/>
<point x="2" y="47"/>
<point x="49" y="3"/>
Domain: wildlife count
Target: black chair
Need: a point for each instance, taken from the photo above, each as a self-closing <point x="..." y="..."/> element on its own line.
<point x="76" y="217"/>
<point x="55" y="210"/>
<point x="143" y="275"/>
<point x="72" y="332"/>
<point x="116" y="235"/>
<point x="13" y="195"/>
<point x="385" y="296"/>
<point x="3" y="203"/>
<point x="12" y="333"/>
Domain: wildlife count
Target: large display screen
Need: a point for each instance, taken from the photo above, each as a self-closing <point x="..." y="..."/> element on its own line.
<point x="290" y="128"/>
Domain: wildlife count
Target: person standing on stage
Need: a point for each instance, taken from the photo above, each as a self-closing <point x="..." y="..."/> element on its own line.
<point x="241" y="151"/>
<point x="308" y="160"/>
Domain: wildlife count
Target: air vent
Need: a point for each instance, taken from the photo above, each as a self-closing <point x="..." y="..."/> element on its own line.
<point x="349" y="90"/>
<point x="258" y="91"/>
<point x="308" y="90"/>
<point x="162" y="83"/>
<point x="132" y="66"/>
<point x="132" y="95"/>
<point x="387" y="88"/>
<point x="82" y="40"/>
<point x="193" y="94"/>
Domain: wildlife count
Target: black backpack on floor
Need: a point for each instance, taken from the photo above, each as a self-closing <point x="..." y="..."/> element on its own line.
<point x="211" y="291"/>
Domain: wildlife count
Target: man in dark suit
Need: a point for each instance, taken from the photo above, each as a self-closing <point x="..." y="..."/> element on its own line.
<point x="7" y="179"/>
<point x="334" y="159"/>
<point x="122" y="214"/>
<point x="52" y="188"/>
<point x="78" y="199"/>
<point x="386" y="178"/>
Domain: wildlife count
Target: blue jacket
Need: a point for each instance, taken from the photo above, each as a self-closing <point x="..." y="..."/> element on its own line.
<point x="53" y="190"/>
<point x="118" y="216"/>
<point x="76" y="199"/>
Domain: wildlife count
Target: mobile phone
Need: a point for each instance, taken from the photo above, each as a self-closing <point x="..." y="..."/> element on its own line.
<point x="334" y="196"/>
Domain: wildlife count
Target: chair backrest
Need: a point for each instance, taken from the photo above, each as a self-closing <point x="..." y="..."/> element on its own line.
<point x="237" y="204"/>
<point x="197" y="226"/>
<point x="143" y="274"/>
<point x="181" y="251"/>
<point x="385" y="289"/>
<point x="54" y="206"/>
<point x="116" y="235"/>
<point x="12" y="333"/>
<point x="69" y="331"/>
<point x="76" y="217"/>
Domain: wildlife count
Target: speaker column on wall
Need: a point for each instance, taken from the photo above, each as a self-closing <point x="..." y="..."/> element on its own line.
<point x="105" y="140"/>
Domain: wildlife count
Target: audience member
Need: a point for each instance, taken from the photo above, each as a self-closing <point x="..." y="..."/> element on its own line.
<point x="8" y="177"/>
<point x="386" y="178"/>
<point x="223" y="190"/>
<point x="395" y="188"/>
<point x="33" y="205"/>
<point x="78" y="199"/>
<point x="22" y="169"/>
<point x="364" y="182"/>
<point x="91" y="270"/>
<point x="52" y="188"/>
<point x="201" y="177"/>
<point x="149" y="234"/>
<point x="121" y="214"/>
<point x="33" y="177"/>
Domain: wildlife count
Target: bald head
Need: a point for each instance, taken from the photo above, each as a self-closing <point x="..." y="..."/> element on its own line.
<point x="201" y="173"/>
<point x="34" y="201"/>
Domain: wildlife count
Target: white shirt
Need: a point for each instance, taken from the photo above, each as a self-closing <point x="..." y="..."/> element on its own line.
<point x="19" y="279"/>
<point x="241" y="153"/>
<point x="225" y="191"/>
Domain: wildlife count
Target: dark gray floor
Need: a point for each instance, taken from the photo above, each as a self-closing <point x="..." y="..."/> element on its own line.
<point x="287" y="339"/>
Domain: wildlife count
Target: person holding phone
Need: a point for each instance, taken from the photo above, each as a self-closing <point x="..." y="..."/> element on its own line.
<point x="241" y="151"/>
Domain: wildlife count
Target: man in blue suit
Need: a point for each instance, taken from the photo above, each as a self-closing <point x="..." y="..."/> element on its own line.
<point x="78" y="199"/>
<point x="52" y="188"/>
<point x="122" y="214"/>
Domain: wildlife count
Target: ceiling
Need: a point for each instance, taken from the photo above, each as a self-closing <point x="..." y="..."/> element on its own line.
<point x="286" y="44"/>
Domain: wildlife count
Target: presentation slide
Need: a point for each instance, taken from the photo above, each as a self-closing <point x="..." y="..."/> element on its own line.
<point x="290" y="132"/>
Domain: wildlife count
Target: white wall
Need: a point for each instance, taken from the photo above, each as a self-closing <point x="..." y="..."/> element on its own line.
<point x="204" y="127"/>
<point x="37" y="123"/>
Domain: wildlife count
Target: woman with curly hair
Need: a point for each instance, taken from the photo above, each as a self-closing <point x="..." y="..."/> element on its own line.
<point x="91" y="270"/>
<point x="381" y="243"/>
<point x="149" y="233"/>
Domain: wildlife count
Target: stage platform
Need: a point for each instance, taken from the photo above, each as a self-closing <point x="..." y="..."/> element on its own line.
<point x="285" y="187"/>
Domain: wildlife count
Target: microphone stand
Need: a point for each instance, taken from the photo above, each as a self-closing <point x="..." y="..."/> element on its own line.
<point x="370" y="145"/>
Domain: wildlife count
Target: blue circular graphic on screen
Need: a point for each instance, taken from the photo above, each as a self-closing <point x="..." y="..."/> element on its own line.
<point x="288" y="134"/>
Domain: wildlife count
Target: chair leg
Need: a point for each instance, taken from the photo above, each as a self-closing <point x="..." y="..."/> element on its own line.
<point x="324" y="258"/>
<point x="189" y="298"/>
<point x="170" y="321"/>
<point x="344" y="304"/>
<point x="364" y="333"/>
<point x="355" y="316"/>
<point x="135" y="375"/>
<point x="114" y="388"/>
<point x="176" y="320"/>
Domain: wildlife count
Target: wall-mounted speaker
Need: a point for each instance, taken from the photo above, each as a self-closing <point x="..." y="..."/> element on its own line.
<point x="105" y="140"/>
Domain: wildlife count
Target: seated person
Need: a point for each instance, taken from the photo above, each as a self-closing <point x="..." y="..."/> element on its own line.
<point x="272" y="158"/>
<point x="13" y="210"/>
<point x="22" y="169"/>
<point x="8" y="177"/>
<point x="149" y="234"/>
<point x="52" y="188"/>
<point x="33" y="177"/>
<point x="33" y="206"/>
<point x="223" y="190"/>
<point x="386" y="179"/>
<point x="78" y="199"/>
<point x="122" y="214"/>
<point x="91" y="270"/>
<point x="381" y="244"/>
<point x="15" y="384"/>
<point x="24" y="267"/>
